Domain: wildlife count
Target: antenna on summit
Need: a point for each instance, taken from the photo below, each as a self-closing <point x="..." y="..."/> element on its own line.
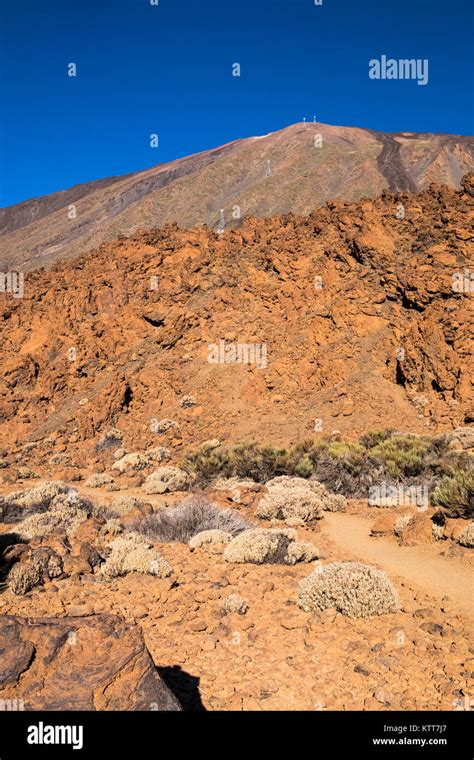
<point x="304" y="122"/>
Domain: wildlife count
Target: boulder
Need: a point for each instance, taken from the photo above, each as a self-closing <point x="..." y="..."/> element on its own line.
<point x="384" y="525"/>
<point x="418" y="531"/>
<point x="83" y="663"/>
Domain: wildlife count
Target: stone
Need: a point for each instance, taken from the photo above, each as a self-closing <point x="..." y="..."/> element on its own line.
<point x="82" y="663"/>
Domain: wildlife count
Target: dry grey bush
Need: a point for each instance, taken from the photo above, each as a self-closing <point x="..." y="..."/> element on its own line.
<point x="466" y="537"/>
<point x="209" y="538"/>
<point x="111" y="527"/>
<point x="269" y="546"/>
<point x="62" y="513"/>
<point x="21" y="504"/>
<point x="234" y="604"/>
<point x="298" y="500"/>
<point x="167" y="478"/>
<point x="133" y="553"/>
<point x="194" y="515"/>
<point x="123" y="504"/>
<point x="98" y="480"/>
<point x="352" y="588"/>
<point x="41" y="565"/>
<point x="139" y="461"/>
<point x="402" y="522"/>
<point x="301" y="551"/>
<point x="23" y="577"/>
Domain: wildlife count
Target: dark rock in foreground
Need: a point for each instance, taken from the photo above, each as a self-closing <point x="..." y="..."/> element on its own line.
<point x="83" y="663"/>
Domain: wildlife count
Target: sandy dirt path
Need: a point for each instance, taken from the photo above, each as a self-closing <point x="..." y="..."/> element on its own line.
<point x="436" y="576"/>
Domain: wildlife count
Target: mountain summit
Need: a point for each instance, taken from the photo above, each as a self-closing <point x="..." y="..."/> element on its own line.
<point x="292" y="170"/>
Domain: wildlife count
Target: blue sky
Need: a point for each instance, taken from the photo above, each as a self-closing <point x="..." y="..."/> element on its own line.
<point x="167" y="69"/>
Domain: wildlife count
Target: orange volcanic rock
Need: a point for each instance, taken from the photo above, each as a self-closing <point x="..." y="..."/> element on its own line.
<point x="47" y="665"/>
<point x="350" y="318"/>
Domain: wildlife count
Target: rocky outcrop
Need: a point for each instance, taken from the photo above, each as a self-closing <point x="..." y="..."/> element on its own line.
<point x="83" y="663"/>
<point x="353" y="318"/>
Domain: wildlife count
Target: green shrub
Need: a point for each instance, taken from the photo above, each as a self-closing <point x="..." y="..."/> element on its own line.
<point x="375" y="437"/>
<point x="249" y="460"/>
<point x="208" y="464"/>
<point x="455" y="493"/>
<point x="402" y="455"/>
<point x="347" y="468"/>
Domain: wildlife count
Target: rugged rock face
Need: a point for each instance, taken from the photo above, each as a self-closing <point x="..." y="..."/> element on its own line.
<point x="352" y="318"/>
<point x="96" y="663"/>
<point x="291" y="170"/>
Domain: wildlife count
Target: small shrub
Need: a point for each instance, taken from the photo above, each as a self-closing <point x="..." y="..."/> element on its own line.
<point x="437" y="531"/>
<point x="209" y="537"/>
<point x="234" y="604"/>
<point x="98" y="480"/>
<point x="466" y="537"/>
<point x="401" y="523"/>
<point x="62" y="514"/>
<point x="352" y="588"/>
<point x="42" y="564"/>
<point x="167" y="479"/>
<point x="290" y="498"/>
<point x="23" y="577"/>
<point x="134" y="554"/>
<point x="111" y="527"/>
<point x="108" y="443"/>
<point x="123" y="504"/>
<point x="301" y="551"/>
<point x="260" y="546"/>
<point x="455" y="493"/>
<point x="21" y="504"/>
<point x="139" y="461"/>
<point x="112" y="439"/>
<point x="231" y="484"/>
<point x="192" y="516"/>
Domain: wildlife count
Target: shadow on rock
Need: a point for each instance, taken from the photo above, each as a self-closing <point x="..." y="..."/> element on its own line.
<point x="184" y="686"/>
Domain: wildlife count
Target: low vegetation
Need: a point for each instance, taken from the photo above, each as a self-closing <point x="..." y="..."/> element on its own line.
<point x="455" y="493"/>
<point x="347" y="468"/>
<point x="194" y="515"/>
<point x="466" y="537"/>
<point x="20" y="504"/>
<point x="297" y="500"/>
<point x="351" y="588"/>
<point x="275" y="546"/>
<point x="234" y="604"/>
<point x="132" y="553"/>
<point x="42" y="564"/>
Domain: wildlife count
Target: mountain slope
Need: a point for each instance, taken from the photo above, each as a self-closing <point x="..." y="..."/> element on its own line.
<point x="271" y="175"/>
<point x="355" y="307"/>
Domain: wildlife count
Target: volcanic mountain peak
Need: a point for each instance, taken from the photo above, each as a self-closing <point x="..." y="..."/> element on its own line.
<point x="291" y="170"/>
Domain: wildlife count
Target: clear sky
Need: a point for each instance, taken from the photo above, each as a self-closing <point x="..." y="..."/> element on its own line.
<point x="167" y="69"/>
